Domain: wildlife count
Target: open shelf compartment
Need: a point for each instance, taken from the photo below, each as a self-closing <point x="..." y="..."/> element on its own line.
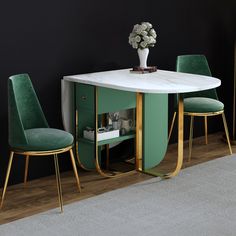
<point x="130" y="135"/>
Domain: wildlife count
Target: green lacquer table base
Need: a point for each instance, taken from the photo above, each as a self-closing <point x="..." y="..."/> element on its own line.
<point x="149" y="143"/>
<point x="151" y="136"/>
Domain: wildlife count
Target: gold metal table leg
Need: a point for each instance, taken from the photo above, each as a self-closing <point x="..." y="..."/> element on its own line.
<point x="139" y="131"/>
<point x="180" y="139"/>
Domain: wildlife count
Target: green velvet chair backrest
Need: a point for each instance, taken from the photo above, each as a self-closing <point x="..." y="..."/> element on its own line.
<point x="24" y="110"/>
<point x="195" y="64"/>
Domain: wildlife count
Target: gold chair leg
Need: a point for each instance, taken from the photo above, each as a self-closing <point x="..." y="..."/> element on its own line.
<point x="75" y="169"/>
<point x="206" y="130"/>
<point x="227" y="132"/>
<point x="172" y="126"/>
<point x="7" y="178"/>
<point x="26" y="169"/>
<point x="58" y="182"/>
<point x="190" y="138"/>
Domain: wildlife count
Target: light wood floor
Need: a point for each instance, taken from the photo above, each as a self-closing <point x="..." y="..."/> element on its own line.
<point x="41" y="194"/>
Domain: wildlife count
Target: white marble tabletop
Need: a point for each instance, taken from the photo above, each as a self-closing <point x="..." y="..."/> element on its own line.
<point x="160" y="81"/>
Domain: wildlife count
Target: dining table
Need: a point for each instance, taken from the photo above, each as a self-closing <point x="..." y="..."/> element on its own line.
<point x="98" y="93"/>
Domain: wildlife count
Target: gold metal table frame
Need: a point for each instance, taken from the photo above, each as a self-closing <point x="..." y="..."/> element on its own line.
<point x="138" y="141"/>
<point x="161" y="82"/>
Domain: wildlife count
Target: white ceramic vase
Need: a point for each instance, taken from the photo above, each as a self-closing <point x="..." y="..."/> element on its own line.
<point x="143" y="55"/>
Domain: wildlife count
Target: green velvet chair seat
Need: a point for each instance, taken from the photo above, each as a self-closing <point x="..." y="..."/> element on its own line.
<point x="46" y="139"/>
<point x="202" y="105"/>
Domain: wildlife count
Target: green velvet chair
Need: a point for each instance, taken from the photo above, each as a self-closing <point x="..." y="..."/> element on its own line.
<point x="29" y="132"/>
<point x="202" y="103"/>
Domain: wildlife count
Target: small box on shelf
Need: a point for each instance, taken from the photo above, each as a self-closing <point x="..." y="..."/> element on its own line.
<point x="101" y="135"/>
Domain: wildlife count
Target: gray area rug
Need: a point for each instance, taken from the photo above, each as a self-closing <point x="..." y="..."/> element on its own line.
<point x="201" y="200"/>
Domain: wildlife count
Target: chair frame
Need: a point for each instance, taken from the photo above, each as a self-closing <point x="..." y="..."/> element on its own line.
<point x="42" y="153"/>
<point x="205" y="115"/>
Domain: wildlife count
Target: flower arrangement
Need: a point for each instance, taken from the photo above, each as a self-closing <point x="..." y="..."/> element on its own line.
<point x="142" y="36"/>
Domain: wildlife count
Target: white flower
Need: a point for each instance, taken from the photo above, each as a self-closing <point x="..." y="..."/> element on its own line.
<point x="139" y="29"/>
<point x="130" y="40"/>
<point x="153" y="33"/>
<point x="135" y="27"/>
<point x="144" y="26"/>
<point x="152" y="40"/>
<point x="137" y="38"/>
<point x="142" y="36"/>
<point x="144" y="33"/>
<point x="143" y="44"/>
<point x="148" y="25"/>
<point x="146" y="39"/>
<point x="135" y="45"/>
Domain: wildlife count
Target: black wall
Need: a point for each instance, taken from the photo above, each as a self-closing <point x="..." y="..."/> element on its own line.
<point x="55" y="38"/>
